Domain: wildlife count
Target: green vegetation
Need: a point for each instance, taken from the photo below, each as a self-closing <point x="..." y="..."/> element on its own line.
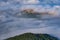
<point x="31" y="36"/>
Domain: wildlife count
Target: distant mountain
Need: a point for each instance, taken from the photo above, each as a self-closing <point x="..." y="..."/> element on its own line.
<point x="25" y="13"/>
<point x="31" y="36"/>
<point x="32" y="11"/>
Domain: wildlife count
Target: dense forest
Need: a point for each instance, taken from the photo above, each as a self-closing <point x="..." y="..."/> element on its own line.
<point x="31" y="36"/>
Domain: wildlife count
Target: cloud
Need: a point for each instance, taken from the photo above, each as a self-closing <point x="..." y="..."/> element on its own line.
<point x="51" y="2"/>
<point x="17" y="6"/>
<point x="4" y="3"/>
<point x="21" y="2"/>
<point x="30" y="1"/>
<point x="18" y="2"/>
<point x="54" y="11"/>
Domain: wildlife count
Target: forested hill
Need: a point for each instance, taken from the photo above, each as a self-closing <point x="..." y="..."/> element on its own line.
<point x="31" y="36"/>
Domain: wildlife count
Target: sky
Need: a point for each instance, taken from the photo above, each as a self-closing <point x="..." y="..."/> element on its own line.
<point x="17" y="3"/>
<point x="12" y="25"/>
<point x="41" y="5"/>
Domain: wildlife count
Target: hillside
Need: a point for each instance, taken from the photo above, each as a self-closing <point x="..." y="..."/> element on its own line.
<point x="31" y="36"/>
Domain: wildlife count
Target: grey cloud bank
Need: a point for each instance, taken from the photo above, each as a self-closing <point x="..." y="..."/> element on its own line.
<point x="11" y="25"/>
<point x="34" y="25"/>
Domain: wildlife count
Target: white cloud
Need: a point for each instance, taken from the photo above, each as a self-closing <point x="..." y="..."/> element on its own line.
<point x="4" y="3"/>
<point x="55" y="10"/>
<point x="38" y="1"/>
<point x="10" y="2"/>
<point x="30" y="1"/>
